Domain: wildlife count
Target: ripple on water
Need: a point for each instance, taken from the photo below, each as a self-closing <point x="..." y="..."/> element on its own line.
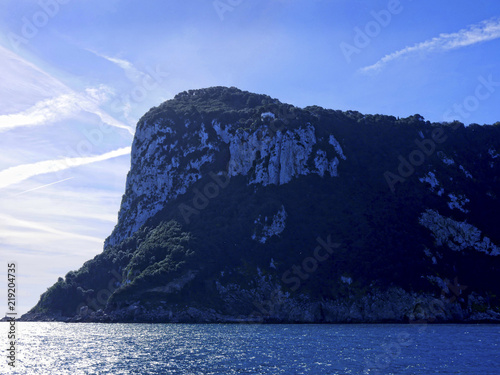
<point x="58" y="348"/>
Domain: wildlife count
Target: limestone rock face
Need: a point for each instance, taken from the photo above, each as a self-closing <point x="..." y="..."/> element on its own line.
<point x="168" y="157"/>
<point x="457" y="235"/>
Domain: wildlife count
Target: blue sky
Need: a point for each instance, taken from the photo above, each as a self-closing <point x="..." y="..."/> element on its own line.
<point x="77" y="75"/>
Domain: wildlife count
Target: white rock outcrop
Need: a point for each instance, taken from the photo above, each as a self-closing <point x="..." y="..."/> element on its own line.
<point x="458" y="202"/>
<point x="457" y="235"/>
<point x="266" y="230"/>
<point x="167" y="160"/>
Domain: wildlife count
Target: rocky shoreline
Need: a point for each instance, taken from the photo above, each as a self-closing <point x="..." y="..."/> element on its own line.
<point x="392" y="306"/>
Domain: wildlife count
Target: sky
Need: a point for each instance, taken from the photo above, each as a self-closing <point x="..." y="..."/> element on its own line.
<point x="76" y="76"/>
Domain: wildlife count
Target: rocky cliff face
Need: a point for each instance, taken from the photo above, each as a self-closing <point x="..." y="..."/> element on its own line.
<point x="241" y="208"/>
<point x="168" y="160"/>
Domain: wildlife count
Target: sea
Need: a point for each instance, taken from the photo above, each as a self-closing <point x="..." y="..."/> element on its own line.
<point x="88" y="348"/>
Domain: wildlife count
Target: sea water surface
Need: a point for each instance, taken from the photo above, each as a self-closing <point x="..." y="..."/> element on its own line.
<point x="59" y="348"/>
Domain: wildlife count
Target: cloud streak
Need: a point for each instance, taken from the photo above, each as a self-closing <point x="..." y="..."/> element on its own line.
<point x="43" y="186"/>
<point x="14" y="175"/>
<point x="59" y="108"/>
<point x="482" y="32"/>
<point x="24" y="225"/>
<point x="23" y="79"/>
<point x="132" y="73"/>
<point x="24" y="83"/>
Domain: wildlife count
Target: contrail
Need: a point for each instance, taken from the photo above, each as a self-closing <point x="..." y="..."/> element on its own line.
<point x="14" y="175"/>
<point x="478" y="33"/>
<point x="41" y="187"/>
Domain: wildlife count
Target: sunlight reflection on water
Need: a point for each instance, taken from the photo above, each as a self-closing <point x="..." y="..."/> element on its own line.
<point x="59" y="348"/>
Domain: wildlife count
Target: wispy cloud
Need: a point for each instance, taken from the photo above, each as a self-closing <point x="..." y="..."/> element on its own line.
<point x="23" y="79"/>
<point x="477" y="33"/>
<point x="132" y="73"/>
<point x="20" y="173"/>
<point x="12" y="222"/>
<point x="130" y="70"/>
<point x="60" y="108"/>
<point x="23" y="83"/>
<point x="43" y="186"/>
<point x="42" y="112"/>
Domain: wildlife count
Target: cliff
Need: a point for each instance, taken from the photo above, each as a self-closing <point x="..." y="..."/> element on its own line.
<point x="238" y="207"/>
